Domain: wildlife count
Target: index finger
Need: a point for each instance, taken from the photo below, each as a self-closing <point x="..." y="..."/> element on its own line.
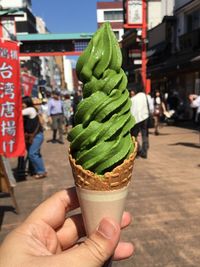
<point x="53" y="210"/>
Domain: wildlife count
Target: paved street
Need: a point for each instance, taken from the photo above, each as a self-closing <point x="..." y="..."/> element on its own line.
<point x="164" y="199"/>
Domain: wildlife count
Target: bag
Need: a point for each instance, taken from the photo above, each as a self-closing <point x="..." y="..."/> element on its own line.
<point x="157" y="112"/>
<point x="29" y="138"/>
<point x="150" y="121"/>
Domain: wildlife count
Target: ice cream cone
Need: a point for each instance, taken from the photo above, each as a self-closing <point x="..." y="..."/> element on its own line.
<point x="100" y="139"/>
<point x="102" y="196"/>
<point x="98" y="204"/>
<point x="118" y="178"/>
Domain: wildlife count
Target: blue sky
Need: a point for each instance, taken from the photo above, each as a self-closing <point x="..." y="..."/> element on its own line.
<point x="65" y="16"/>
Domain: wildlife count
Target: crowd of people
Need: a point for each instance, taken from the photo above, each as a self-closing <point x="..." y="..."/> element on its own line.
<point x="150" y="110"/>
<point x="54" y="112"/>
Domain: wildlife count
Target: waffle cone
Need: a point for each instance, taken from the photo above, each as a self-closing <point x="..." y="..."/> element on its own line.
<point x="118" y="178"/>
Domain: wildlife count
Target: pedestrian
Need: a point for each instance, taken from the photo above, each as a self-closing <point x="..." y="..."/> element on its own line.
<point x="44" y="114"/>
<point x="140" y="110"/>
<point x="159" y="110"/>
<point x="195" y="103"/>
<point x="55" y="114"/>
<point x="34" y="137"/>
<point x="76" y="100"/>
<point x="50" y="238"/>
<point x="67" y="110"/>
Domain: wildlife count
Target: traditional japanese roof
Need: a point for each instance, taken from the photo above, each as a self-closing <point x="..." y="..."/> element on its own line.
<point x="53" y="36"/>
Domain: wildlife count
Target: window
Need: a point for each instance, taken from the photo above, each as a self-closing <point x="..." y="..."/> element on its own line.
<point x="113" y="15"/>
<point x="116" y="34"/>
<point x="193" y="21"/>
<point x="80" y="45"/>
<point x="196" y="20"/>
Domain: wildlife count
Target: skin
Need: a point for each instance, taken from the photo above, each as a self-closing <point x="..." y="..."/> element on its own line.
<point x="49" y="238"/>
<point x="192" y="97"/>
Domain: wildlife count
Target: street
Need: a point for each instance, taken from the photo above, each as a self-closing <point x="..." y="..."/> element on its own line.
<point x="164" y="198"/>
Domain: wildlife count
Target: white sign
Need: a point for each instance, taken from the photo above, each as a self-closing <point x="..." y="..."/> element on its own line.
<point x="135" y="12"/>
<point x="138" y="62"/>
<point x="8" y="27"/>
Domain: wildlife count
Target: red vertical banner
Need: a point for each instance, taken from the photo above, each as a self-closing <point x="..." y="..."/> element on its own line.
<point x="11" y="122"/>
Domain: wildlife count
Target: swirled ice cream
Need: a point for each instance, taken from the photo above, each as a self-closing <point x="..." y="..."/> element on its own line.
<point x="100" y="139"/>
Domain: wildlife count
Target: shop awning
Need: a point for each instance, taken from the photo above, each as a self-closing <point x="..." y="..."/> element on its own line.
<point x="197" y="58"/>
<point x="156" y="50"/>
<point x="129" y="38"/>
<point x="177" y="62"/>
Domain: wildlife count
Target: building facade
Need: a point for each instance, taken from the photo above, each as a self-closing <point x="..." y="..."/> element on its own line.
<point x="154" y="12"/>
<point x="7" y="4"/>
<point x="187" y="35"/>
<point x="112" y="12"/>
<point x="59" y="60"/>
<point x="68" y="74"/>
<point x="17" y="17"/>
<point x="21" y="21"/>
<point x="51" y="68"/>
<point x="175" y="47"/>
<point x="167" y="8"/>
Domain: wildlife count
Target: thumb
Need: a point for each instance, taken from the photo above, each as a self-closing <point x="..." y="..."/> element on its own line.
<point x="93" y="252"/>
<point x="100" y="246"/>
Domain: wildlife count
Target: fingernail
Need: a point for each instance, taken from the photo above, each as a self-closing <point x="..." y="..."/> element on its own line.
<point x="107" y="229"/>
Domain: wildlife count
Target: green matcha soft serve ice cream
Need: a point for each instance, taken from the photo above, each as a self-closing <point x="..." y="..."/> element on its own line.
<point x="100" y="139"/>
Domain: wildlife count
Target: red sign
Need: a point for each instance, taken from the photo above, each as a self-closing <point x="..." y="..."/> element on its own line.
<point x="11" y="122"/>
<point x="27" y="82"/>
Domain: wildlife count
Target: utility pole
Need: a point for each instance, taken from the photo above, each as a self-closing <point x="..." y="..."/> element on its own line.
<point x="144" y="44"/>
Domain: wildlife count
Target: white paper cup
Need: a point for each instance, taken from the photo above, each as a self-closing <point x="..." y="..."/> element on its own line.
<point x="96" y="205"/>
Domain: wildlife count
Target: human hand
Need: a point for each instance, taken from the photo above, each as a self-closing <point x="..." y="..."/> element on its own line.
<point x="48" y="239"/>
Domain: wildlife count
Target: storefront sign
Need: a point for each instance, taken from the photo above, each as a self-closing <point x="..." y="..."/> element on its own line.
<point x="27" y="83"/>
<point x="11" y="122"/>
<point x="134" y="12"/>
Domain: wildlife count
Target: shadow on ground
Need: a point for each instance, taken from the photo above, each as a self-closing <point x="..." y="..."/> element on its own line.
<point x="5" y="208"/>
<point x="194" y="145"/>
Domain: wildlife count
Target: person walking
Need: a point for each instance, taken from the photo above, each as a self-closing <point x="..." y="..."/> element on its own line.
<point x="159" y="110"/>
<point x="140" y="111"/>
<point x="76" y="100"/>
<point x="195" y="103"/>
<point x="34" y="137"/>
<point x="43" y="111"/>
<point x="68" y="111"/>
<point x="55" y="114"/>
